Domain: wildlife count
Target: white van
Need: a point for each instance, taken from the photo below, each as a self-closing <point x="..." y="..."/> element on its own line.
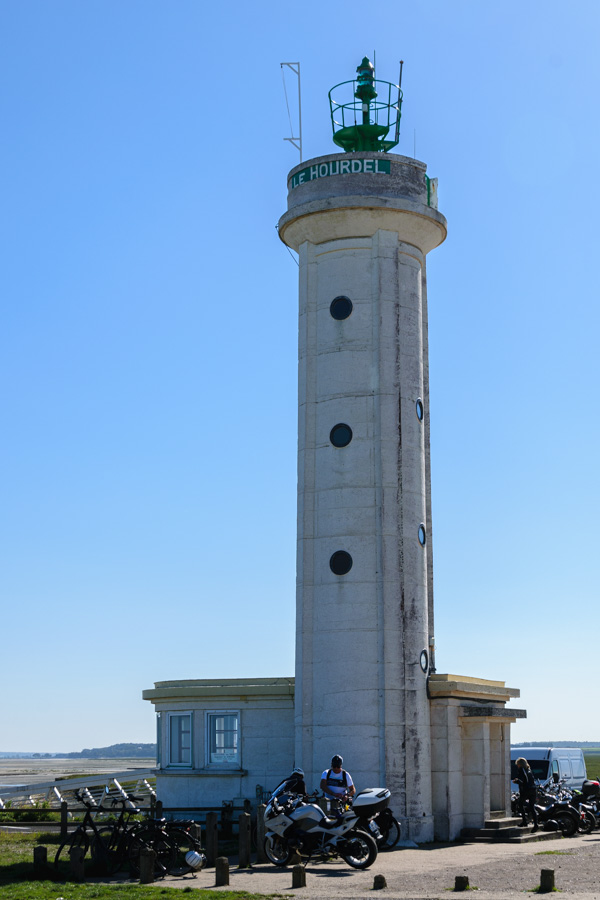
<point x="566" y="762"/>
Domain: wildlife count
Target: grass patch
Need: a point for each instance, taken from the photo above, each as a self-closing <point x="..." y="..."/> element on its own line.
<point x="46" y="890"/>
<point x="592" y="764"/>
<point x="17" y="881"/>
<point x="554" y="853"/>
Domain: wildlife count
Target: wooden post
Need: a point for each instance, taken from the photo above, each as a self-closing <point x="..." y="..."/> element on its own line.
<point x="379" y="882"/>
<point x="461" y="883"/>
<point x="147" y="861"/>
<point x="546" y="881"/>
<point x="222" y="871"/>
<point x="261" y="856"/>
<point x="298" y="877"/>
<point x="212" y="838"/>
<point x="77" y="865"/>
<point x="196" y="832"/>
<point x="64" y="818"/>
<point x="158" y="810"/>
<point x="40" y="860"/>
<point x="245" y="826"/>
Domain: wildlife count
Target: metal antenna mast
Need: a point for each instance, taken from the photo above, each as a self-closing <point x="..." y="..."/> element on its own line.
<point x="296" y="141"/>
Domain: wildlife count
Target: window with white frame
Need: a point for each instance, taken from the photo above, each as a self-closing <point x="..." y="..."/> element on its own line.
<point x="180" y="739"/>
<point x="223" y="732"/>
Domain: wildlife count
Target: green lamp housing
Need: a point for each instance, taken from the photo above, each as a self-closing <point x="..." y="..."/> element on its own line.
<point x="365" y="111"/>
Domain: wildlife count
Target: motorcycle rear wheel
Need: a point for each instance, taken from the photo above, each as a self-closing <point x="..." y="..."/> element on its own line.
<point x="359" y="850"/>
<point x="277" y="850"/>
<point x="390" y="834"/>
<point x="567" y="823"/>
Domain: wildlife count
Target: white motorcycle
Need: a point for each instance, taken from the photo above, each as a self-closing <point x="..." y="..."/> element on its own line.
<point x="294" y="825"/>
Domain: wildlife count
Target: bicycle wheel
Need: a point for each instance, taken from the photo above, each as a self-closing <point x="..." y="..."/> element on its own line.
<point x="159" y="841"/>
<point x="105" y="851"/>
<point x="183" y="842"/>
<point x="62" y="860"/>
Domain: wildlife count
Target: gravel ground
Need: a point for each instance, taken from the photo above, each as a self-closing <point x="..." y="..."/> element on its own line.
<point x="496" y="870"/>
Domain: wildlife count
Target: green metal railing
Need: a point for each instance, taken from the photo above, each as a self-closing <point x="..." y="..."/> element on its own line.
<point x="365" y="112"/>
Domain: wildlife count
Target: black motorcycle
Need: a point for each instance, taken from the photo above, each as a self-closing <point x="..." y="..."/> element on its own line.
<point x="556" y="814"/>
<point x="581" y="801"/>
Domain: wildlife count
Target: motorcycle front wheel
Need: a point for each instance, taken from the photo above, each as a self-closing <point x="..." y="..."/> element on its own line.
<point x="587" y="823"/>
<point x="359" y="850"/>
<point x="277" y="850"/>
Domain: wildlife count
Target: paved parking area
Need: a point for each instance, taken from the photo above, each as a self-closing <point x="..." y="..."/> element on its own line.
<point x="498" y="871"/>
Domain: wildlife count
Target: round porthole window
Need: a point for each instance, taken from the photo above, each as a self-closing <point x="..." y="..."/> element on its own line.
<point x="340" y="435"/>
<point x="419" y="409"/>
<point x="424" y="660"/>
<point x="340" y="562"/>
<point x="422" y="535"/>
<point x="340" y="308"/>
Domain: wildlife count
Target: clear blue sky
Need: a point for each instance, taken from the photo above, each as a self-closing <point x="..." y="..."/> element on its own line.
<point x="148" y="345"/>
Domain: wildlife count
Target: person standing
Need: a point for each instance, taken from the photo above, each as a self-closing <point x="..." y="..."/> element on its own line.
<point x="527" y="791"/>
<point x="293" y="784"/>
<point x="336" y="782"/>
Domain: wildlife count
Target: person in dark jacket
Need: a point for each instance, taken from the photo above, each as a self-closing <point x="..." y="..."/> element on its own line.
<point x="527" y="791"/>
<point x="293" y="784"/>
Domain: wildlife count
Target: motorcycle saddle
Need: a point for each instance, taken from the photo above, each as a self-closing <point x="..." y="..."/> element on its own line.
<point x="329" y="823"/>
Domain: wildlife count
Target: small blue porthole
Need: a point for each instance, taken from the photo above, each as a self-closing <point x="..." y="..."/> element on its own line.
<point x="340" y="562"/>
<point x="419" y="409"/>
<point x="422" y="535"/>
<point x="340" y="308"/>
<point x="340" y="435"/>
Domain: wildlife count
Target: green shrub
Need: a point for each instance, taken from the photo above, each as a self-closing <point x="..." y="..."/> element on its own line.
<point x="38" y="812"/>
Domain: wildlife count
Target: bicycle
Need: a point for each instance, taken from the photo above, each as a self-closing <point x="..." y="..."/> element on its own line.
<point x="107" y="843"/>
<point x="153" y="834"/>
<point x="180" y="833"/>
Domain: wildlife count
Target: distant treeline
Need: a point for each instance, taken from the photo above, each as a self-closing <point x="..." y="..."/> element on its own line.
<point x="116" y="751"/>
<point x="556" y="744"/>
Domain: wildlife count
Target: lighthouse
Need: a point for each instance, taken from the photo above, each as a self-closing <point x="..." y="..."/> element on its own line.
<point x="363" y="221"/>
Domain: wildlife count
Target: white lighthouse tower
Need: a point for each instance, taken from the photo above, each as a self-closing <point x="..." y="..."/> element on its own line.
<point x="363" y="222"/>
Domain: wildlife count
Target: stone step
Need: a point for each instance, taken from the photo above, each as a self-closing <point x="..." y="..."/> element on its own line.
<point x="502" y="822"/>
<point x="507" y="835"/>
<point x="519" y="839"/>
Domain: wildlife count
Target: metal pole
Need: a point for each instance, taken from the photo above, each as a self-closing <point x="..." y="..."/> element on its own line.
<point x="292" y="139"/>
<point x="299" y="114"/>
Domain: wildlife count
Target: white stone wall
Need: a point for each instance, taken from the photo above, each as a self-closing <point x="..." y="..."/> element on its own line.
<point x="470" y="752"/>
<point x="266" y="734"/>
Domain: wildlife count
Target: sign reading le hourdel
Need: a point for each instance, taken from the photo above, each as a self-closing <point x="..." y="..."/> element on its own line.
<point x="341" y="167"/>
